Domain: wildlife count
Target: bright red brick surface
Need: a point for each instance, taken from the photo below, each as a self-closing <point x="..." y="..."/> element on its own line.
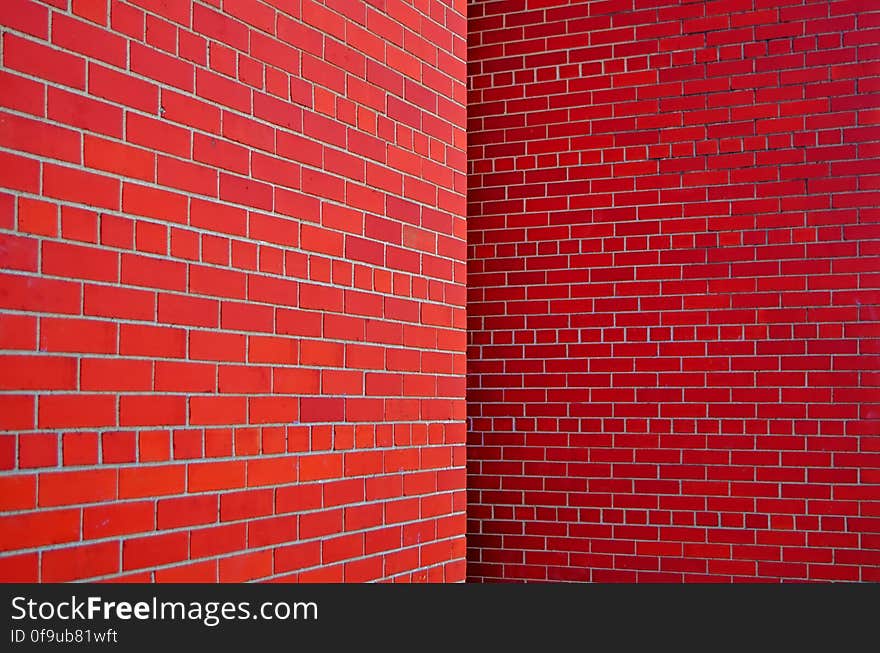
<point x="673" y="290"/>
<point x="232" y="242"/>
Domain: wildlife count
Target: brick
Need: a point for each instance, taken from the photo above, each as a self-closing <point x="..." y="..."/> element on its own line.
<point x="38" y="529"/>
<point x="161" y="34"/>
<point x="218" y="217"/>
<point x="217" y="410"/>
<point x="246" y="317"/>
<point x="253" y="13"/>
<point x="272" y="410"/>
<point x="244" y="379"/>
<point x="26" y="17"/>
<point x="218" y="282"/>
<point x="154" y="203"/>
<point x="43" y="62"/>
<point x="204" y="345"/>
<point x="324" y="185"/>
<point x="336" y="382"/>
<point x="154" y="550"/>
<point x="157" y="135"/>
<point x="84" y="113"/>
<point x="153" y="272"/>
<point x="151" y="237"/>
<point x="296" y="381"/>
<point x="249" y="132"/>
<point x="7" y="452"/>
<point x="117" y="158"/>
<point x="341" y="492"/>
<point x="320" y="524"/>
<point x="295" y="147"/>
<point x="270" y="290"/>
<point x="137" y="482"/>
<point x="297" y="556"/>
<point x="246" y="567"/>
<point x="38" y="450"/>
<point x="152" y="410"/>
<point x="272" y="349"/>
<point x="185" y="310"/>
<point x="76" y="410"/>
<point x="216" y="476"/>
<point x="122" y="89"/>
<point x="188" y="111"/>
<point x="143" y="340"/>
<point x="217" y="89"/>
<point x="382" y="539"/>
<point x="186" y="511"/>
<point x="188" y="177"/>
<point x="88" y="40"/>
<point x="128" y="20"/>
<point x="187" y="443"/>
<point x="118" y="447"/>
<point x="243" y="190"/>
<point x="20" y="173"/>
<point x="36" y="137"/>
<point x="110" y="301"/>
<point x="118" y="519"/>
<point x="275" y="111"/>
<point x="18" y="492"/>
<point x="117" y="232"/>
<point x="220" y="28"/>
<point x="244" y="505"/>
<point x="87" y="561"/>
<point x="23" y="94"/>
<point x="72" y="335"/>
<point x="185" y="376"/>
<point x="81" y="187"/>
<point x="299" y="497"/>
<point x="321" y="240"/>
<point x="319" y="409"/>
<point x="38" y="372"/>
<point x="161" y="67"/>
<point x="154" y="446"/>
<point x="78" y="262"/>
<point x="63" y="488"/>
<point x="79" y="448"/>
<point x="217" y="540"/>
<point x="312" y="468"/>
<point x="271" y="471"/>
<point x="18" y="332"/>
<point x="341" y="548"/>
<point x="24" y="568"/>
<point x="273" y="530"/>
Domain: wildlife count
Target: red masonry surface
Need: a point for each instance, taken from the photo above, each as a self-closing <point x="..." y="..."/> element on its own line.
<point x="232" y="290"/>
<point x="232" y="296"/>
<point x="674" y="290"/>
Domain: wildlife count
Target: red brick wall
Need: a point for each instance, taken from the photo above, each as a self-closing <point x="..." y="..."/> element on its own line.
<point x="232" y="296"/>
<point x="673" y="290"/>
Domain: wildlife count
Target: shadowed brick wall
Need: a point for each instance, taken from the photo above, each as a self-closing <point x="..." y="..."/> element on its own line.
<point x="232" y="242"/>
<point x="673" y="282"/>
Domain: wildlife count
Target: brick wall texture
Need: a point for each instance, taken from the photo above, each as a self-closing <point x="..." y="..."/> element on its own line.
<point x="674" y="233"/>
<point x="233" y="289"/>
<point x="232" y="296"/>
